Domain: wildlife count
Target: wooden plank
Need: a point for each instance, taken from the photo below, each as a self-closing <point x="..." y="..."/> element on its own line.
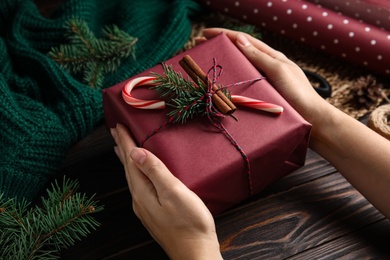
<point x="296" y="220"/>
<point x="149" y="250"/>
<point x="314" y="168"/>
<point x="370" y="242"/>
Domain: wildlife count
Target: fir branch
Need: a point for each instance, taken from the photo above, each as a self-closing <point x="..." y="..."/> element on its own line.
<point x="172" y="84"/>
<point x="181" y="94"/>
<point x="41" y="232"/>
<point x="115" y="35"/>
<point x="187" y="109"/>
<point x="91" y="56"/>
<point x="186" y="99"/>
<point x="94" y="74"/>
<point x="79" y="34"/>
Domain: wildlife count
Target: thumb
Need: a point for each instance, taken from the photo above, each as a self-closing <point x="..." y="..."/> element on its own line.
<point x="153" y="168"/>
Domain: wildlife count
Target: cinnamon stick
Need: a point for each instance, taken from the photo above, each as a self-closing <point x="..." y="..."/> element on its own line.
<point x="220" y="101"/>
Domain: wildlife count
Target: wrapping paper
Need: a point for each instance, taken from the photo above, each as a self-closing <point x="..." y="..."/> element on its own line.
<point x="198" y="153"/>
<point x="355" y="30"/>
<point x="373" y="12"/>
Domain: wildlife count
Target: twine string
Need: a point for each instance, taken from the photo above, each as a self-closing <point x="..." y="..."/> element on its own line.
<point x="215" y="117"/>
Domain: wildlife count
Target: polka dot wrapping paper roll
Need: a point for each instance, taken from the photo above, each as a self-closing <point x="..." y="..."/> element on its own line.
<point x="333" y="32"/>
<point x="376" y="13"/>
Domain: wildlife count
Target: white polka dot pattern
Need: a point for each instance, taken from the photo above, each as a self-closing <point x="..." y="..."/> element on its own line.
<point x="312" y="23"/>
<point x="376" y="13"/>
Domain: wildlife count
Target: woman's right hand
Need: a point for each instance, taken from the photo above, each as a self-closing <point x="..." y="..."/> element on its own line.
<point x="282" y="73"/>
<point x="357" y="152"/>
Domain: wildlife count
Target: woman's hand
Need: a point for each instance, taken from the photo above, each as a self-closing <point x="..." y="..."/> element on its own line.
<point x="360" y="154"/>
<point x="176" y="217"/>
<point x="288" y="79"/>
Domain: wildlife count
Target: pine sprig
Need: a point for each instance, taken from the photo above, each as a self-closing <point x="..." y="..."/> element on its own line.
<point x="91" y="56"/>
<point x="181" y="94"/>
<point x="186" y="99"/>
<point x="41" y="232"/>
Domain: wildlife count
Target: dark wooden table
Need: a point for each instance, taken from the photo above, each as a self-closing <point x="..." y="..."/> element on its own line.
<point x="313" y="213"/>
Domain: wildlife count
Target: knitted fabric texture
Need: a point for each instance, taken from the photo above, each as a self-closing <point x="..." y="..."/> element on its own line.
<point x="43" y="109"/>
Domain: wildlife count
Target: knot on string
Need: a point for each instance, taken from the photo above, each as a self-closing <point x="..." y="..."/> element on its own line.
<point x="213" y="114"/>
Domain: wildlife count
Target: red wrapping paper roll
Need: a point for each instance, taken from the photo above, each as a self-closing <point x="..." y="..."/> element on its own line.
<point x="376" y="14"/>
<point x="355" y="41"/>
<point x="381" y="3"/>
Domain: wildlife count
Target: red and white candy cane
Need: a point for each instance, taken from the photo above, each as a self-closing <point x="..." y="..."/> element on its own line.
<point x="257" y="104"/>
<point x="159" y="104"/>
<point x="139" y="103"/>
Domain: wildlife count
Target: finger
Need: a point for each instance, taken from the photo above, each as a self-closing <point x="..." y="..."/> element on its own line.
<point x="155" y="170"/>
<point x="125" y="144"/>
<point x="117" y="150"/>
<point x="199" y="40"/>
<point x="123" y="139"/>
<point x="118" y="153"/>
<point x="232" y="35"/>
<point x="256" y="56"/>
<point x="145" y="173"/>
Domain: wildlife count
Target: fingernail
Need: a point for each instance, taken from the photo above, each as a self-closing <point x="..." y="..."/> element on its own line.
<point x="199" y="40"/>
<point x="117" y="152"/>
<point x="243" y="40"/>
<point x="113" y="132"/>
<point x="138" y="155"/>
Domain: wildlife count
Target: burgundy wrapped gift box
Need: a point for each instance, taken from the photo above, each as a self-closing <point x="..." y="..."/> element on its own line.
<point x="198" y="153"/>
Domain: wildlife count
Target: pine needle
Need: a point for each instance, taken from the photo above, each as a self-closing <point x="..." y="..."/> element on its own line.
<point x="182" y="94"/>
<point x="93" y="57"/>
<point x="41" y="232"/>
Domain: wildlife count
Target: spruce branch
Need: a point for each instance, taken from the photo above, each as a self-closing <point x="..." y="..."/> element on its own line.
<point x="41" y="232"/>
<point x="186" y="99"/>
<point x="91" y="56"/>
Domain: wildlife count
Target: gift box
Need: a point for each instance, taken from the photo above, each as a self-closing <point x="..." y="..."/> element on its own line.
<point x="197" y="152"/>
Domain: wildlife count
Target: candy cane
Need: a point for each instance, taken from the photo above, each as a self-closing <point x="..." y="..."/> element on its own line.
<point x="159" y="104"/>
<point x="139" y="103"/>
<point x="257" y="104"/>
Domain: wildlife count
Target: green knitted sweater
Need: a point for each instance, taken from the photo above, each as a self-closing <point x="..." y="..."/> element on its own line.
<point x="43" y="109"/>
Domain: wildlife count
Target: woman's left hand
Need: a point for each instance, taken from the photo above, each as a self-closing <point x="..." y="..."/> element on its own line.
<point x="175" y="216"/>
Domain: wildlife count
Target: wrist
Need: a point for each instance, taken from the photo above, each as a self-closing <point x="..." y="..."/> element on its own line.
<point x="324" y="130"/>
